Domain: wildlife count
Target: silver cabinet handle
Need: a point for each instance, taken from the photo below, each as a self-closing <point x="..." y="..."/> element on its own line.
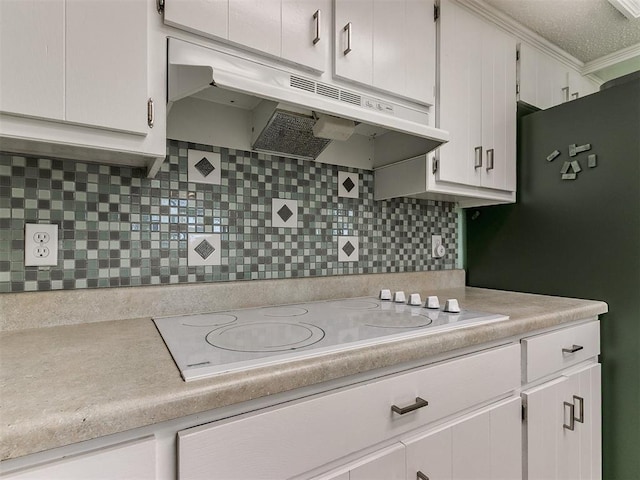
<point x="573" y="349"/>
<point x="581" y="409"/>
<point x="420" y="402"/>
<point x="150" y="113"/>
<point x="572" y="418"/>
<point x="316" y="17"/>
<point x="347" y="28"/>
<point x="478" y="157"/>
<point x="490" y="159"/>
<point x="565" y="90"/>
<point x="421" y="476"/>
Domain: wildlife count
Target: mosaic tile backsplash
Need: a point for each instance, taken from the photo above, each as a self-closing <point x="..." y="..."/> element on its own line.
<point x="119" y="228"/>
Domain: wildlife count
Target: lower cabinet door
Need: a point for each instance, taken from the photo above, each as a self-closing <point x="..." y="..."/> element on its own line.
<point x="563" y="427"/>
<point x="388" y="464"/>
<point x="130" y="460"/>
<point x="482" y="445"/>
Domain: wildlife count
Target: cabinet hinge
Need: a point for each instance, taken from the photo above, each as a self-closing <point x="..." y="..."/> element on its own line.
<point x="517" y="55"/>
<point x="150" y="113"/>
<point x="517" y="88"/>
<point x="160" y="5"/>
<point x="524" y="413"/>
<point x="434" y="165"/>
<point x="436" y="12"/>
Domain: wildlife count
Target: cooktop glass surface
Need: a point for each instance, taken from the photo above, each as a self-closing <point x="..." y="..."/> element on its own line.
<point x="212" y="343"/>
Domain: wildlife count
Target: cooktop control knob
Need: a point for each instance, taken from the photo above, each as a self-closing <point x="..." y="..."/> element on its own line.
<point x="432" y="302"/>
<point x="399" y="297"/>
<point x="414" y="299"/>
<point x="385" y="294"/>
<point x="452" y="306"/>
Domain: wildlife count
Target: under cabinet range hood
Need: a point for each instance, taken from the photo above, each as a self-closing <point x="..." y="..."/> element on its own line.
<point x="294" y="113"/>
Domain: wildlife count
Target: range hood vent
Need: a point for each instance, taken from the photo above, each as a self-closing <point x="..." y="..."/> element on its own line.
<point x="287" y="130"/>
<point x="290" y="133"/>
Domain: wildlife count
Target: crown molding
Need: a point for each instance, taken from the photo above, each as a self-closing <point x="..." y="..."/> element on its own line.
<point x="518" y="30"/>
<point x="611" y="59"/>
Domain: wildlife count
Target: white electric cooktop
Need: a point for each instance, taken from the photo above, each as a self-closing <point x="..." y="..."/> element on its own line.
<point x="208" y="344"/>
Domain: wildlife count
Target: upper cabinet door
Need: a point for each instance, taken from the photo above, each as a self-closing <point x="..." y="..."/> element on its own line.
<point x="460" y="108"/>
<point x="389" y="45"/>
<point x="498" y="110"/>
<point x="306" y="30"/>
<point x="205" y="17"/>
<point x="32" y="58"/>
<point x="353" y="52"/>
<point x="420" y="51"/>
<point x="256" y="24"/>
<point x="543" y="80"/>
<point x="106" y="64"/>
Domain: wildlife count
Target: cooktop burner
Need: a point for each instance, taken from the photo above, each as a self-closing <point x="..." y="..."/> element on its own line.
<point x="265" y="336"/>
<point x="213" y="343"/>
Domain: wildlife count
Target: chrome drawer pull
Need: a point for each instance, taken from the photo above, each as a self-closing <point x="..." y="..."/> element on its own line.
<point x="421" y="476"/>
<point x="573" y="349"/>
<point x="420" y="402"/>
<point x="572" y="416"/>
<point x="581" y="409"/>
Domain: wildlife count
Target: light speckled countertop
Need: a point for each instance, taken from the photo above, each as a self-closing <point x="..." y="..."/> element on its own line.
<point x="68" y="383"/>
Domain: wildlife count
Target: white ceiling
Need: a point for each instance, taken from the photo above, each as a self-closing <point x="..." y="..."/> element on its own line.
<point x="587" y="29"/>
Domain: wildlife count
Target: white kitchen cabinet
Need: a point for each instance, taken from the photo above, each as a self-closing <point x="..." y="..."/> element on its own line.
<point x="353" y="52"/>
<point x="81" y="79"/>
<point x="562" y="430"/>
<point x="256" y="24"/>
<point x="477" y="101"/>
<point x="388" y="45"/>
<point x="563" y="427"/>
<point x="32" y="58"/>
<point x="301" y="436"/>
<point x="306" y="32"/>
<point x="131" y="460"/>
<point x="388" y="464"/>
<point x="484" y="444"/>
<point x="477" y="106"/>
<point x="295" y="31"/>
<point x="580" y="86"/>
<point x="209" y="18"/>
<point x="106" y="64"/>
<point x="545" y="82"/>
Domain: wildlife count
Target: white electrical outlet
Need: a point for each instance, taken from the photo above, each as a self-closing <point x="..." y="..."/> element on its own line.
<point x="40" y="244"/>
<point x="437" y="248"/>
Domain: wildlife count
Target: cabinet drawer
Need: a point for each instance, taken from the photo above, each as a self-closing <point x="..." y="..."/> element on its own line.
<point x="551" y="352"/>
<point x="296" y="437"/>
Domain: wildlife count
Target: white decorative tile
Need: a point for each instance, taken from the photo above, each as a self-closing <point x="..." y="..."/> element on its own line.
<point x="203" y="167"/>
<point x="348" y="185"/>
<point x="348" y="249"/>
<point x="203" y="249"/>
<point x="284" y="213"/>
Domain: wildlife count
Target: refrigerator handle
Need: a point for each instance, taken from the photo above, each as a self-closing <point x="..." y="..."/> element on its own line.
<point x="478" y="157"/>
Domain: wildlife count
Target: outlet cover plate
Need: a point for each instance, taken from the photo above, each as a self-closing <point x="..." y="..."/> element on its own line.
<point x="40" y="237"/>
